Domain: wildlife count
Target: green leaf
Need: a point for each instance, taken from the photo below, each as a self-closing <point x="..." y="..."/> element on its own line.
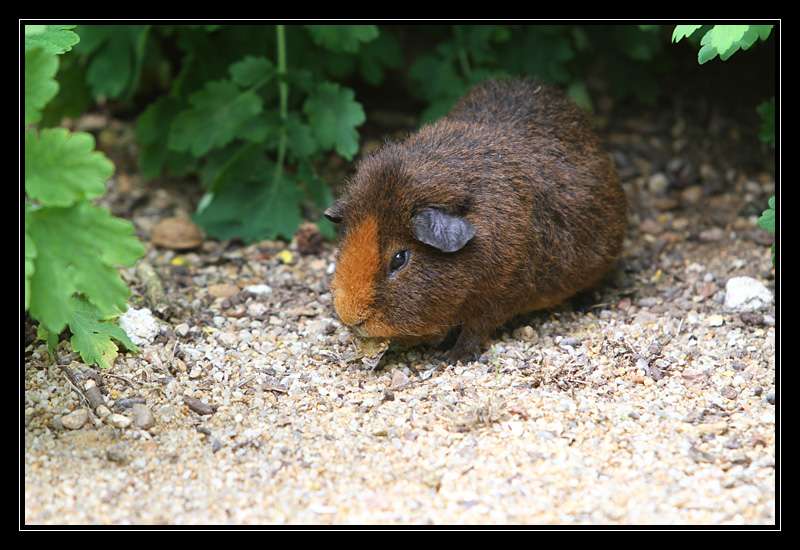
<point x="682" y="31"/>
<point x="92" y="337"/>
<point x="117" y="53"/>
<point x="342" y="38"/>
<point x="77" y="250"/>
<point x="334" y="115"/>
<point x="300" y="138"/>
<point x="40" y="85"/>
<point x="253" y="210"/>
<point x="236" y="163"/>
<point x="580" y="95"/>
<point x="30" y="268"/>
<point x="767" y="113"/>
<point x="152" y="133"/>
<point x="52" y="39"/>
<point x="435" y="78"/>
<point x="49" y="338"/>
<point x="320" y="195"/>
<point x="542" y="51"/>
<point x="62" y="168"/>
<point x="767" y="222"/>
<point x="383" y="52"/>
<point x="252" y="70"/>
<point x="725" y="40"/>
<point x="217" y="114"/>
<point x="73" y="98"/>
<point x="767" y="219"/>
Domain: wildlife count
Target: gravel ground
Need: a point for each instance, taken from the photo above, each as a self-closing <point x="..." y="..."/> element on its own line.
<point x="646" y="401"/>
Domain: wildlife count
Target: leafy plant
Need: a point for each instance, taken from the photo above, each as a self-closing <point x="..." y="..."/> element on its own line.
<point x="252" y="125"/>
<point x="722" y="40"/>
<point x="767" y="222"/>
<point x="72" y="247"/>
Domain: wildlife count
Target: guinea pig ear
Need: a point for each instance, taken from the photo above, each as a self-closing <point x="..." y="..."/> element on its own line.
<point x="440" y="230"/>
<point x="334" y="212"/>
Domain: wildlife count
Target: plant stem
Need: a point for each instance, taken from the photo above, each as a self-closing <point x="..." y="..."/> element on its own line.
<point x="283" y="91"/>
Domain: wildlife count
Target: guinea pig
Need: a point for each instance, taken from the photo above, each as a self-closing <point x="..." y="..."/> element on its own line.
<point x="506" y="205"/>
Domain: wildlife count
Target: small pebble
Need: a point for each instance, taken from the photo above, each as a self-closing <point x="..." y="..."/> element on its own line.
<point x="771" y="397"/>
<point x="119" y="420"/>
<point x="259" y="290"/>
<point x="182" y="329"/>
<point x="198" y="406"/>
<point x="118" y="454"/>
<point x="712" y="235"/>
<point x="399" y="379"/>
<point x="746" y="294"/>
<point x="142" y="417"/>
<point x="715" y="321"/>
<point x="140" y="325"/>
<point x="658" y="183"/>
<point x="75" y="420"/>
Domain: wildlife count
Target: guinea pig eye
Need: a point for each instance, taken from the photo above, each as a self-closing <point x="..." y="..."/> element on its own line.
<point x="398" y="260"/>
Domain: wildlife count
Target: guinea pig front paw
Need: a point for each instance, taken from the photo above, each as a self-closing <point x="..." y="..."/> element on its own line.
<point x="466" y="349"/>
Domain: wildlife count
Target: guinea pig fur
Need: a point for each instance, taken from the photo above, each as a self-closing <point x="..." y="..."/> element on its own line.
<point x="507" y="205"/>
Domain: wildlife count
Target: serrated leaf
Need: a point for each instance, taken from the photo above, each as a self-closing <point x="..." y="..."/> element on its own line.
<point x="725" y="40"/>
<point x="73" y="97"/>
<point x="300" y="138"/>
<point x="30" y="268"/>
<point x="682" y="31"/>
<point x="252" y="70"/>
<point x="62" y="168"/>
<point x="52" y="39"/>
<point x="334" y="115"/>
<point x="216" y="115"/>
<point x="40" y="83"/>
<point x="253" y="210"/>
<point x="92" y="337"/>
<point x="767" y="219"/>
<point x="342" y="38"/>
<point x="78" y="249"/>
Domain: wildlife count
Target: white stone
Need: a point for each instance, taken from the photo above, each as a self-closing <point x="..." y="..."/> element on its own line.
<point x="119" y="421"/>
<point x="746" y="294"/>
<point x="259" y="290"/>
<point x="140" y="325"/>
<point x="75" y="420"/>
<point x="715" y="321"/>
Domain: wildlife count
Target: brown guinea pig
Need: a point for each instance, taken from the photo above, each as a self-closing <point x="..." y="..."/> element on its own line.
<point x="506" y="205"/>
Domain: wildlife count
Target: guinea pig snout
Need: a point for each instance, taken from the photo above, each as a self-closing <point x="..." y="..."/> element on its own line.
<point x="347" y="310"/>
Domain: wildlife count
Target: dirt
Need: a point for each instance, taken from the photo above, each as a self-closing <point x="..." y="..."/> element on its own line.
<point x="645" y="401"/>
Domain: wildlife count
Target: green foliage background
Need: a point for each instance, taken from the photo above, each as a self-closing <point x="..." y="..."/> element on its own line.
<point x="218" y="103"/>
